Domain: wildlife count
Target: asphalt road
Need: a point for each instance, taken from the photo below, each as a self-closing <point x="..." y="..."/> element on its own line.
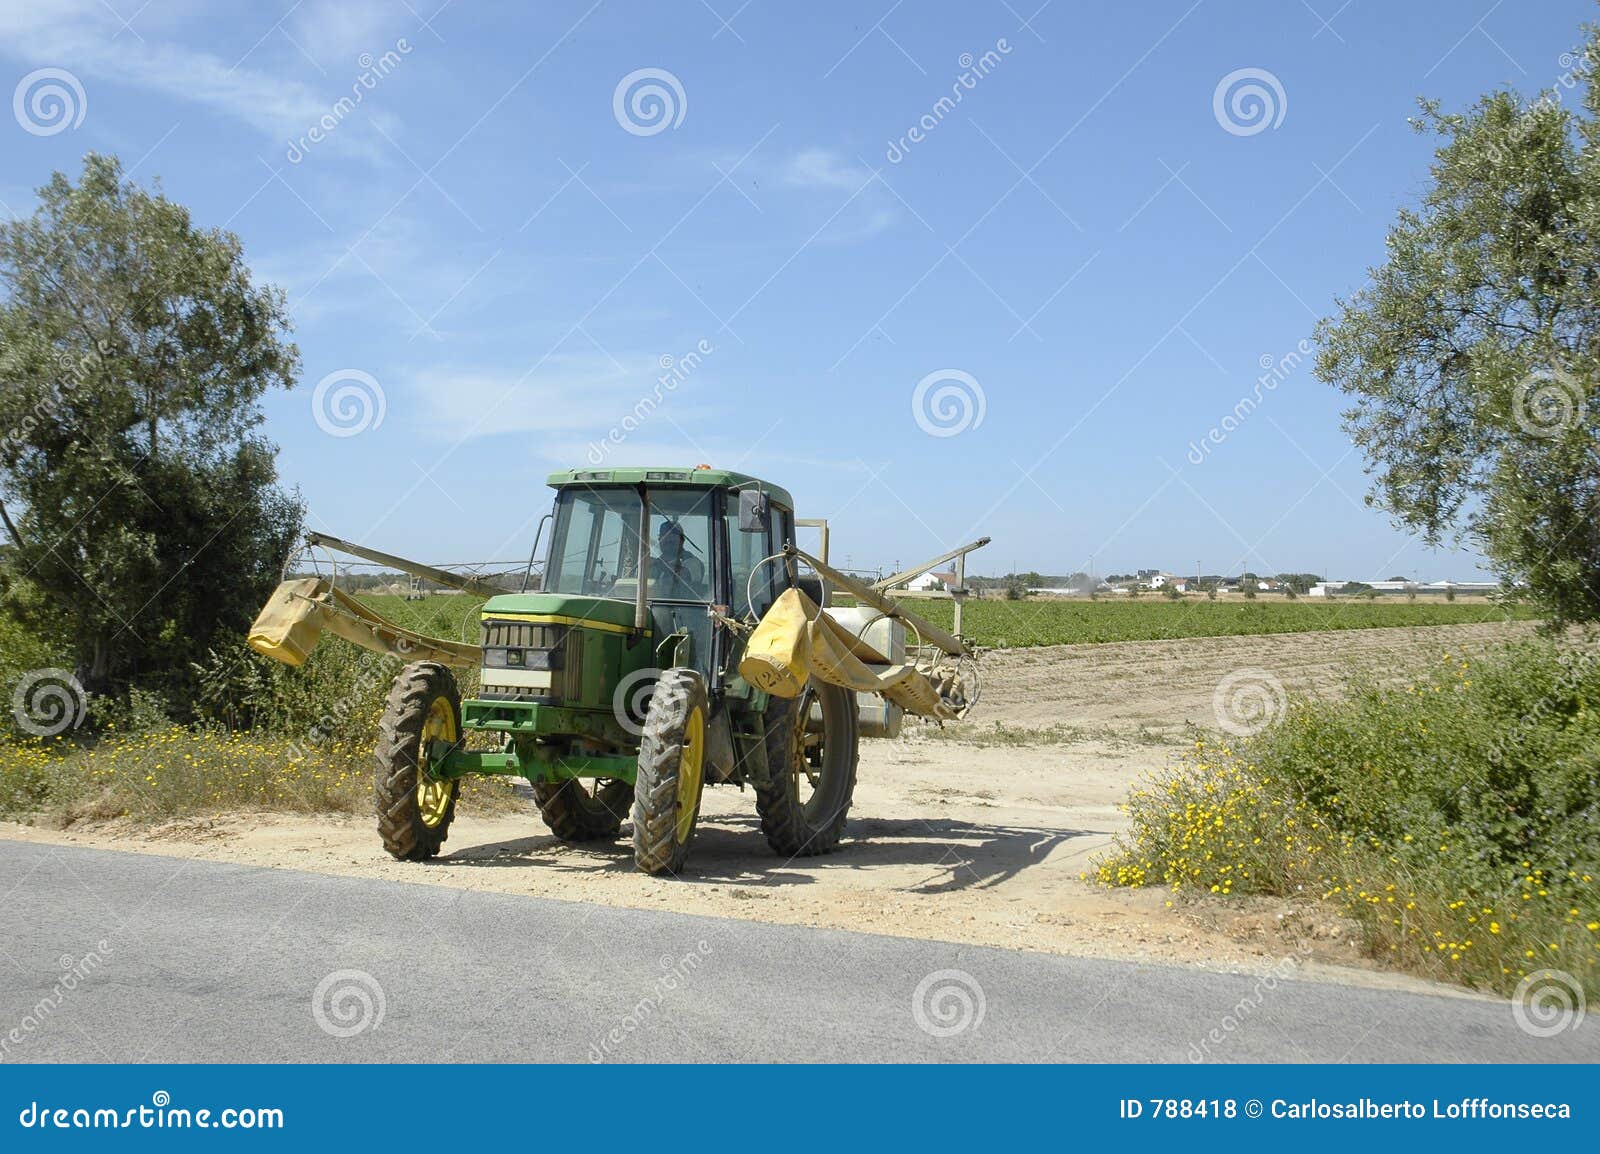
<point x="128" y="957"/>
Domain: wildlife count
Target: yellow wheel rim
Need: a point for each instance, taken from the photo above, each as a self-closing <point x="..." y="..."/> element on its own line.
<point x="434" y="794"/>
<point x="690" y="765"/>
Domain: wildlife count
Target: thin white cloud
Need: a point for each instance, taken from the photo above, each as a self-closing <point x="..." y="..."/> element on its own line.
<point x="336" y="32"/>
<point x="586" y="394"/>
<point x="87" y="38"/>
<point x="868" y="210"/>
<point x="823" y="168"/>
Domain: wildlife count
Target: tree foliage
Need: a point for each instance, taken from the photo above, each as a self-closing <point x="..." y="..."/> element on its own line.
<point x="134" y="348"/>
<point x="1472" y="354"/>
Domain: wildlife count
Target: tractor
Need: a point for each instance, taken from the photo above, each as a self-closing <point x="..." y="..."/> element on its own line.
<point x="624" y="683"/>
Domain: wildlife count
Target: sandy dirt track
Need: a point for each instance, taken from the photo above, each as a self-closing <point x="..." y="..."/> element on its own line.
<point x="977" y="841"/>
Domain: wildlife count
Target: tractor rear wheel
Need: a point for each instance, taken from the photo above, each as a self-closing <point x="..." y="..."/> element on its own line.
<point x="415" y="808"/>
<point x="573" y="813"/>
<point x="672" y="759"/>
<point x="811" y="776"/>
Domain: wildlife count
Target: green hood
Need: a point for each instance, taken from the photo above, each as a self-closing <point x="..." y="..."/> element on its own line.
<point x="571" y="607"/>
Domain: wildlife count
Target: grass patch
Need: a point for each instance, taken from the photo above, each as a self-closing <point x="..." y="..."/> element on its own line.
<point x="178" y="772"/>
<point x="1455" y="818"/>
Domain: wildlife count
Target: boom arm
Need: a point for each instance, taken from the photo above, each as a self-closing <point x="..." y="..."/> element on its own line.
<point x="887" y="606"/>
<point x="415" y="568"/>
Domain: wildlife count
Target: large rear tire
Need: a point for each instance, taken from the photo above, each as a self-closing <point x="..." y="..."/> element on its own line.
<point x="575" y="814"/>
<point x="672" y="758"/>
<point x="812" y="777"/>
<point x="414" y="808"/>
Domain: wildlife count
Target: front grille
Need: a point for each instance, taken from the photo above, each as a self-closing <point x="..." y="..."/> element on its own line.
<point x="522" y="635"/>
<point x="519" y="651"/>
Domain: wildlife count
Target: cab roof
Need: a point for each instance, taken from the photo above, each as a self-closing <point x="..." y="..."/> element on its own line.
<point x="670" y="475"/>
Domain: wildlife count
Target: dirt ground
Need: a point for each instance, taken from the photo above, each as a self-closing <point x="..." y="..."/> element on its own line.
<point x="975" y="835"/>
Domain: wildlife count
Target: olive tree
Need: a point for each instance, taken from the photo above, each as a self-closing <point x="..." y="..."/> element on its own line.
<point x="139" y="502"/>
<point x="1472" y="353"/>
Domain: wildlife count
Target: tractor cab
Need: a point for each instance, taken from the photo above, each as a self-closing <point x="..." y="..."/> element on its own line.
<point x="643" y="561"/>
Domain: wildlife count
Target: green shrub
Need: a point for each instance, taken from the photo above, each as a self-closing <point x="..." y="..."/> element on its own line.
<point x="1456" y="818"/>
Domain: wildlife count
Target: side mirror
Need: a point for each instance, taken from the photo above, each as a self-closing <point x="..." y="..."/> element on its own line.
<point x="752" y="511"/>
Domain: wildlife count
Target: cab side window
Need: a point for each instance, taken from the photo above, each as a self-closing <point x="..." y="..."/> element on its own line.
<point x="745" y="552"/>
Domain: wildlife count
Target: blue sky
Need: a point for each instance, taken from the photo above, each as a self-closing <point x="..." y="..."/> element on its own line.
<point x="1089" y="257"/>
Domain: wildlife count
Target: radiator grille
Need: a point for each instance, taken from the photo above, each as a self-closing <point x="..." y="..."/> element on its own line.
<point x="564" y="645"/>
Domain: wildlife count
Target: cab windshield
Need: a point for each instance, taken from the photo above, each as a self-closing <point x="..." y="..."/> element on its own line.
<point x="594" y="550"/>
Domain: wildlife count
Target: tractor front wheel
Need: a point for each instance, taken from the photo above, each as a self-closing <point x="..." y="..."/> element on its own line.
<point x="672" y="759"/>
<point x="414" y="807"/>
<point x="811" y="776"/>
<point x="575" y="814"/>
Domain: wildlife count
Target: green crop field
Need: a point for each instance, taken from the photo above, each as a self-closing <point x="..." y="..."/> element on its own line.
<point x="453" y="616"/>
<point x="1010" y="624"/>
<point x="1013" y="624"/>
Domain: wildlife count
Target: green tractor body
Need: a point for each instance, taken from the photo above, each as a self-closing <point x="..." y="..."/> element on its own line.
<point x="616" y="685"/>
